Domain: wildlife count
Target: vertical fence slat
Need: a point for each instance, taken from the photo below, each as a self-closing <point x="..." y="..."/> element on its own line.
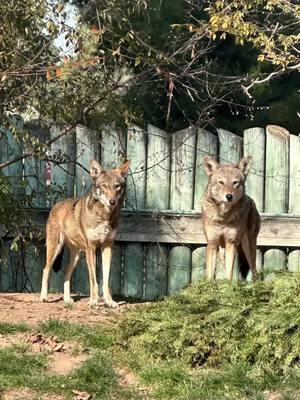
<point x="63" y="175"/>
<point x="135" y="192"/>
<point x="157" y="197"/>
<point x="179" y="268"/>
<point x="158" y="169"/>
<point x="274" y="261"/>
<point x="35" y="168"/>
<point x="136" y="179"/>
<point x="255" y="146"/>
<point x="10" y="148"/>
<point x="230" y="151"/>
<point x="182" y="169"/>
<point x="230" y="146"/>
<point x="181" y="198"/>
<point x="294" y="261"/>
<point x="277" y="169"/>
<point x="198" y="264"/>
<point x="207" y="144"/>
<point x="294" y="195"/>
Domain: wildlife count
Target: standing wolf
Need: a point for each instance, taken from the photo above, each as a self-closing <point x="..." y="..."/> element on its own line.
<point x="230" y="217"/>
<point x="84" y="224"/>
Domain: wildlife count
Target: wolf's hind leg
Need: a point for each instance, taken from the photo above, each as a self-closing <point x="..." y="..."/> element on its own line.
<point x="250" y="253"/>
<point x="55" y="243"/>
<point x="74" y="258"/>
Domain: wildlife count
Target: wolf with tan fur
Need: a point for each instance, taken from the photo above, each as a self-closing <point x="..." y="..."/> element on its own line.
<point x="230" y="217"/>
<point x="83" y="224"/>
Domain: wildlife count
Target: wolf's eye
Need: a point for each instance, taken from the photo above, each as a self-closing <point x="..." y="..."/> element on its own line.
<point x="221" y="183"/>
<point x="117" y="186"/>
<point x="235" y="182"/>
<point x="104" y="186"/>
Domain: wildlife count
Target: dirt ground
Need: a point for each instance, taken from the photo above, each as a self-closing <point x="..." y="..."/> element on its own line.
<point x="26" y="307"/>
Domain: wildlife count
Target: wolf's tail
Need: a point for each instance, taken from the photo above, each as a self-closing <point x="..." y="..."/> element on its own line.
<point x="242" y="262"/>
<point x="58" y="261"/>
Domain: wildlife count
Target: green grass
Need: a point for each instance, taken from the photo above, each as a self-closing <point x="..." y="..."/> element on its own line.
<point x="218" y="340"/>
<point x="214" y="340"/>
<point x="8" y="328"/>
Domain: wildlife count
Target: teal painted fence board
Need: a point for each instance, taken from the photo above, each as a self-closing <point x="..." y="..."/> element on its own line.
<point x="158" y="169"/>
<point x="179" y="274"/>
<point x="207" y="144"/>
<point x="277" y="169"/>
<point x="156" y="260"/>
<point x="183" y="144"/>
<point x="294" y="194"/>
<point x="133" y="271"/>
<point x="11" y="147"/>
<point x="198" y="264"/>
<point x="136" y="179"/>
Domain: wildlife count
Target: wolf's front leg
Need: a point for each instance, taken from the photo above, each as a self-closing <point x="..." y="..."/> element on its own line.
<point x="106" y="262"/>
<point x="230" y="250"/>
<point x="91" y="264"/>
<point x="211" y="259"/>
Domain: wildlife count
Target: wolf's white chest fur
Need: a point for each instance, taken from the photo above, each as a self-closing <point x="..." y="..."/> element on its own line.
<point x="100" y="233"/>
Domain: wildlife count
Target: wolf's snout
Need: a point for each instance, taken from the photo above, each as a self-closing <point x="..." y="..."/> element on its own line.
<point x="112" y="202"/>
<point x="229" y="197"/>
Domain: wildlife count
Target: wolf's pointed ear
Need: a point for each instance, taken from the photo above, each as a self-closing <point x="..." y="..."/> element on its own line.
<point x="244" y="165"/>
<point x="210" y="164"/>
<point x="124" y="168"/>
<point x="95" y="169"/>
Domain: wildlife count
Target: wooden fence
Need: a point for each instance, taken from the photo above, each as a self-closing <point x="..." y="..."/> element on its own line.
<point x="160" y="246"/>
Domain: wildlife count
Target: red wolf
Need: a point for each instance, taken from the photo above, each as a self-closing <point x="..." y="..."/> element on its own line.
<point x="83" y="224"/>
<point x="230" y="217"/>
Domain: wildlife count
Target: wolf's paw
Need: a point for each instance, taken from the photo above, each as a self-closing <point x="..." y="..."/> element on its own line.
<point x="110" y="303"/>
<point x="43" y="298"/>
<point x="68" y="300"/>
<point x="93" y="303"/>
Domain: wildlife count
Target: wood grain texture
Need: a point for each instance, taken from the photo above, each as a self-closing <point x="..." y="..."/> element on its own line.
<point x="207" y="144"/>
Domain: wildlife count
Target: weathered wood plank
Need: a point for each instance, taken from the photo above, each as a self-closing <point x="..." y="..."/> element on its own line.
<point x="198" y="264"/>
<point x="276" y="186"/>
<point x="35" y="169"/>
<point x="274" y="260"/>
<point x="34" y="263"/>
<point x="112" y="147"/>
<point x="230" y="146"/>
<point x="136" y="179"/>
<point x="156" y="260"/>
<point x="294" y="261"/>
<point x="254" y="146"/>
<point x="277" y="169"/>
<point x="158" y="169"/>
<point x="171" y="227"/>
<point x="207" y="144"/>
<point x="62" y="175"/>
<point x="157" y="197"/>
<point x="183" y="145"/>
<point x="294" y="194"/>
<point x="182" y="169"/>
<point x="10" y="147"/>
<point x="133" y="271"/>
<point x="179" y="273"/>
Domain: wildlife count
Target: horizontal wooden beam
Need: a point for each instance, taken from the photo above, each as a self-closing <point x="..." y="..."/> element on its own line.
<point x="186" y="228"/>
